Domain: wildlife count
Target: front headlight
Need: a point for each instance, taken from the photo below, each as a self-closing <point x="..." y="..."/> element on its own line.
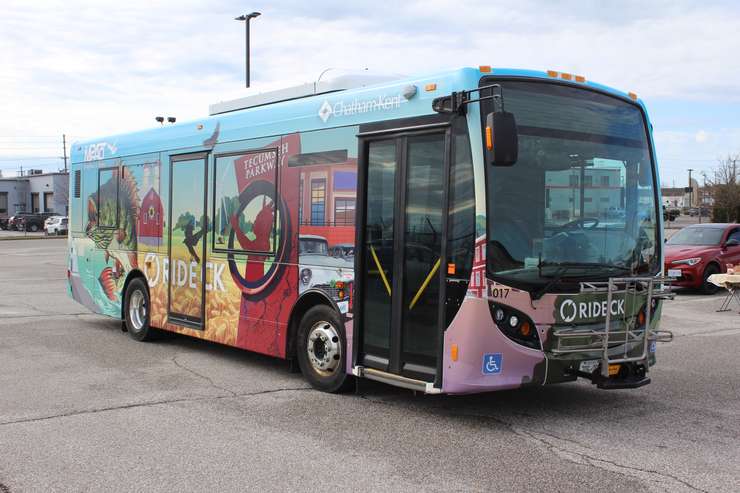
<point x="688" y="261"/>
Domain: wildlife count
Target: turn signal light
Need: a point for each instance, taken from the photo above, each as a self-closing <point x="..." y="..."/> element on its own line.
<point x="485" y="68"/>
<point x="566" y="76"/>
<point x="633" y="96"/>
<point x="489" y="138"/>
<point x="580" y="78"/>
<point x="525" y="329"/>
<point x="453" y="352"/>
<point x="430" y="87"/>
<point x="552" y="73"/>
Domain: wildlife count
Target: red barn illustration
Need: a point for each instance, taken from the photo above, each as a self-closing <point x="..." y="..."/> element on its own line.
<point x="151" y="219"/>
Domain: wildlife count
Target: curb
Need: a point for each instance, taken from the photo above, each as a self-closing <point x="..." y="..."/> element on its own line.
<point x="43" y="237"/>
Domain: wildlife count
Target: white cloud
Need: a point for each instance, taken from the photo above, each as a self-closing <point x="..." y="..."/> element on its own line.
<point x="95" y="68"/>
<point x="701" y="137"/>
<point x="677" y="151"/>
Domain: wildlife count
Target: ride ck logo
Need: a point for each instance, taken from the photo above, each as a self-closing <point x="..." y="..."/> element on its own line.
<point x="583" y="310"/>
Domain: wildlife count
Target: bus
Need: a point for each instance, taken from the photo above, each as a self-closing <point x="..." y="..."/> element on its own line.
<point x="506" y="225"/>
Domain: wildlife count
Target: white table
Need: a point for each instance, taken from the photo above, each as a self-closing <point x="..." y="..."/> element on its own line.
<point x="731" y="282"/>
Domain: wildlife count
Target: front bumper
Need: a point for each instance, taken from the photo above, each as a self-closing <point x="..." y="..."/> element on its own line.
<point x="691" y="275"/>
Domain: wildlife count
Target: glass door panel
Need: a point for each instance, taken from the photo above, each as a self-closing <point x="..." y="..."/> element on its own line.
<point x="187" y="233"/>
<point x="422" y="247"/>
<point x="378" y="248"/>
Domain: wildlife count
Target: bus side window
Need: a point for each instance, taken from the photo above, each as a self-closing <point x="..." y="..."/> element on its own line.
<point x="325" y="181"/>
<point x="245" y="215"/>
<point x="461" y="222"/>
<point x="105" y="213"/>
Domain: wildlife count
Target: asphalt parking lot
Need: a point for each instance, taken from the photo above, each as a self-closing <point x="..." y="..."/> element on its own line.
<point x="85" y="408"/>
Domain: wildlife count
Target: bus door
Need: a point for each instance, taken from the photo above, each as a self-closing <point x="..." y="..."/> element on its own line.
<point x="187" y="227"/>
<point x="403" y="178"/>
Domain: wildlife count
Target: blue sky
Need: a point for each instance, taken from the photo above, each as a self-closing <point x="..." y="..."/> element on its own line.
<point x="94" y="68"/>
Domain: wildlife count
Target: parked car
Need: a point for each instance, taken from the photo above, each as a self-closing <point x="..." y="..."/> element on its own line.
<point x="33" y="222"/>
<point x="56" y="225"/>
<point x="14" y="221"/>
<point x="670" y="214"/>
<point x="700" y="250"/>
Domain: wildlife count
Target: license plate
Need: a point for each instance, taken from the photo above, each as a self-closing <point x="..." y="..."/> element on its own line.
<point x="613" y="370"/>
<point x="674" y="272"/>
<point x="589" y="366"/>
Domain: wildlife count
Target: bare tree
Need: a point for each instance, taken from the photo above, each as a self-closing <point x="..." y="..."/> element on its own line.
<point x="726" y="190"/>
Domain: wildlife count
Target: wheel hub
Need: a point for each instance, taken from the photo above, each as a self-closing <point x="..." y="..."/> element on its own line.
<point x="323" y="348"/>
<point x="137" y="310"/>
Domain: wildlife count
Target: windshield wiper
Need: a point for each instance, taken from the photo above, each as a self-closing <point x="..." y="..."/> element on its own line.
<point x="563" y="268"/>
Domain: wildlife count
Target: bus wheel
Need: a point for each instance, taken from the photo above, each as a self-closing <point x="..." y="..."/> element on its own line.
<point x="322" y="350"/>
<point x="136" y="310"/>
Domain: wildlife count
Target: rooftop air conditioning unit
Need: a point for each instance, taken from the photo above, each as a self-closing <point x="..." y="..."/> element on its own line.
<point x="330" y="84"/>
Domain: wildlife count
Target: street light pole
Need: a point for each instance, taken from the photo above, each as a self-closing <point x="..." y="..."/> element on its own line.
<point x="691" y="190"/>
<point x="246" y="18"/>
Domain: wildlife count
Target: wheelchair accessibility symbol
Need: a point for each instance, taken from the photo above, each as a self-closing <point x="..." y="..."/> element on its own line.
<point x="492" y="363"/>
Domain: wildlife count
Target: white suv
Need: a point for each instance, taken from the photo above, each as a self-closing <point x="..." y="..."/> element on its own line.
<point x="56" y="225"/>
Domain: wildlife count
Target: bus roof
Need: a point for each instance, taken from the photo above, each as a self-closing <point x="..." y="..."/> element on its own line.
<point x="385" y="100"/>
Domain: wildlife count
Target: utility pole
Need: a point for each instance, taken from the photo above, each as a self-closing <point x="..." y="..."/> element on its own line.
<point x="246" y="18"/>
<point x="64" y="146"/>
<point x="691" y="190"/>
<point x="702" y="197"/>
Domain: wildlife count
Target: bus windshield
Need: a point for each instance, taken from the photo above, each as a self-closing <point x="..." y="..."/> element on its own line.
<point x="580" y="201"/>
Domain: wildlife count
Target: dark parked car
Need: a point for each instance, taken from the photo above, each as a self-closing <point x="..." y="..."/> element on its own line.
<point x="700" y="250"/>
<point x="14" y="221"/>
<point x="31" y="221"/>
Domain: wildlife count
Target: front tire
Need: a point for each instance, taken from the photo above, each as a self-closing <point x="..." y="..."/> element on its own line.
<point x="322" y="350"/>
<point x="136" y="311"/>
<point x="706" y="286"/>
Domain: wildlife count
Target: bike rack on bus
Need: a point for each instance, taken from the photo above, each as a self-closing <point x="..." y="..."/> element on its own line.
<point x="618" y="338"/>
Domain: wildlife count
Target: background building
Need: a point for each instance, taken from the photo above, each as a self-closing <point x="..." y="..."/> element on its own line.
<point x="34" y="191"/>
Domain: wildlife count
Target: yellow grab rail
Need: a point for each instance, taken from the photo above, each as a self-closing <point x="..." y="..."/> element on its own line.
<point x="425" y="283"/>
<point x="380" y="269"/>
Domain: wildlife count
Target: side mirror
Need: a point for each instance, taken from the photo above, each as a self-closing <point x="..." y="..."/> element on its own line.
<point x="732" y="243"/>
<point x="502" y="140"/>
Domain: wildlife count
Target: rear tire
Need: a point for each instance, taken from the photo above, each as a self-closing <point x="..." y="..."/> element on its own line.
<point x="322" y="350"/>
<point x="33" y="228"/>
<point x="706" y="286"/>
<point x="136" y="311"/>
